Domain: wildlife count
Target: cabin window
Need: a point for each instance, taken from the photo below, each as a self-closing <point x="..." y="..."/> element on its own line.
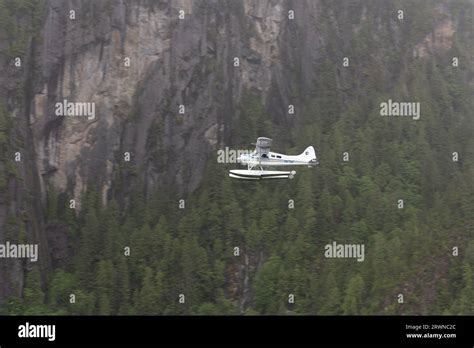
<point x="278" y="156"/>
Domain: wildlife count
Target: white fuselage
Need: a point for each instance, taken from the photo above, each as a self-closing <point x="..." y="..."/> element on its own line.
<point x="277" y="159"/>
<point x="263" y="157"/>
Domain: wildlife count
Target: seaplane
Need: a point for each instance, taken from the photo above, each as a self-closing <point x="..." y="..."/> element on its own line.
<point x="262" y="157"/>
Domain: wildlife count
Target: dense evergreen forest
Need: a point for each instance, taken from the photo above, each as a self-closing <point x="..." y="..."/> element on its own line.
<point x="138" y="255"/>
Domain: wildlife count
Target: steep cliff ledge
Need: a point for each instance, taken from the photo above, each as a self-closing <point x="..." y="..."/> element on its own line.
<point x="170" y="82"/>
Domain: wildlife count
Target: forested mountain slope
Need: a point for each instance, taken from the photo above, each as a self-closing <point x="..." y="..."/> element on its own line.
<point x="403" y="187"/>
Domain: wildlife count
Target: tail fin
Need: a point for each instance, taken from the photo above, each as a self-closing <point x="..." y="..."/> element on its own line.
<point x="309" y="153"/>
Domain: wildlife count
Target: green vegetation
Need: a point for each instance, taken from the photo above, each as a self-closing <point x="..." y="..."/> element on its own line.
<point x="20" y="19"/>
<point x="190" y="251"/>
<point x="5" y="126"/>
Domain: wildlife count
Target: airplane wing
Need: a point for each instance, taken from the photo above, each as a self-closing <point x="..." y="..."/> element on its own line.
<point x="263" y="145"/>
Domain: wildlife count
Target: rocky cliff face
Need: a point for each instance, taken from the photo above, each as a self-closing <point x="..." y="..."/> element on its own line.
<point x="138" y="62"/>
<point x="172" y="62"/>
